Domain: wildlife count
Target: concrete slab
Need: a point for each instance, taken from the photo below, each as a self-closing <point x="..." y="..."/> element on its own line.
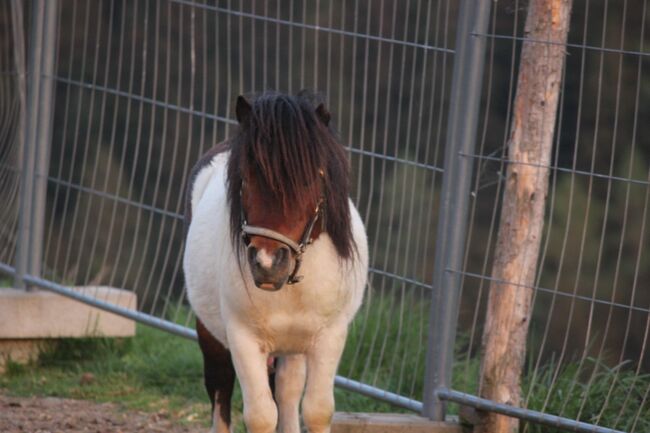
<point x="31" y="321"/>
<point x="346" y="422"/>
<point x="41" y="314"/>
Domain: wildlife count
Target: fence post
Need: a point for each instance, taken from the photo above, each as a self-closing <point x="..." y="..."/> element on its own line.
<point x="36" y="119"/>
<point x="469" y="60"/>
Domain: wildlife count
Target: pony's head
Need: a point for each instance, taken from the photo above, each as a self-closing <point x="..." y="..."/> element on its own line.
<point x="288" y="182"/>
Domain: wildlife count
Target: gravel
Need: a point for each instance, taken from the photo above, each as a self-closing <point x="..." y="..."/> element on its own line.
<point x="55" y="415"/>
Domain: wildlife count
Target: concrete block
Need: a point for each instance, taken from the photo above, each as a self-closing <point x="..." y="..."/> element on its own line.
<point x="31" y="320"/>
<point x="346" y="422"/>
<point x="41" y="314"/>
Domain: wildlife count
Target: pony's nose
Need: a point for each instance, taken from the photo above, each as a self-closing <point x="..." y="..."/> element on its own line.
<point x="263" y="259"/>
<point x="269" y="271"/>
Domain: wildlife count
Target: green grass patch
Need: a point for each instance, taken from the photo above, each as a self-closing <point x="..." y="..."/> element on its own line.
<point x="386" y="344"/>
<point x="594" y="393"/>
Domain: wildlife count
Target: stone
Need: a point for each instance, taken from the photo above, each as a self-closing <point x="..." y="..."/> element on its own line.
<point x="346" y="422"/>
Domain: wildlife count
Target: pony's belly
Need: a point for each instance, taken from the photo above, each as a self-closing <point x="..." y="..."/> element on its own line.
<point x="208" y="258"/>
<point x="202" y="301"/>
<point x="204" y="297"/>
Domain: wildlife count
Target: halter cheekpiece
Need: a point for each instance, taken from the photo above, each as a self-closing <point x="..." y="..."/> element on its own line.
<point x="297" y="249"/>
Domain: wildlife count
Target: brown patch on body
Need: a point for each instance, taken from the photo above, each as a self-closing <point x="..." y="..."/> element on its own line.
<point x="218" y="370"/>
<point x="262" y="210"/>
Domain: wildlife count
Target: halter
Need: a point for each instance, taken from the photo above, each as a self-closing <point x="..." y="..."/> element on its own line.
<point x="298" y="249"/>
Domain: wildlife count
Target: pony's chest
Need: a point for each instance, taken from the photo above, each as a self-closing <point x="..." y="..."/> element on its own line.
<point x="289" y="320"/>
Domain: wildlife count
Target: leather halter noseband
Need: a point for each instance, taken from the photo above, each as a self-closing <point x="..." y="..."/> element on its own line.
<point x="298" y="249"/>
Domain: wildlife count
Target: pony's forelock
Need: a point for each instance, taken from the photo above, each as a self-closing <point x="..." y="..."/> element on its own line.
<point x="296" y="158"/>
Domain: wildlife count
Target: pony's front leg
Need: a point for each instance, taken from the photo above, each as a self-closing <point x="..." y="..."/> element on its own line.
<point x="260" y="412"/>
<point x="289" y="384"/>
<point x="322" y="362"/>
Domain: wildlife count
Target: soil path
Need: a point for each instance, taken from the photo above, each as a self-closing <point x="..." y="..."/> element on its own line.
<point x="59" y="415"/>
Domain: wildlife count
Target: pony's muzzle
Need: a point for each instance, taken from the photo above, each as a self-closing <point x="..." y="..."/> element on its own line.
<point x="270" y="271"/>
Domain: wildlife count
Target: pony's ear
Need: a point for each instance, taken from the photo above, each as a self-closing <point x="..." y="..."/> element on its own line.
<point x="323" y="114"/>
<point x="243" y="109"/>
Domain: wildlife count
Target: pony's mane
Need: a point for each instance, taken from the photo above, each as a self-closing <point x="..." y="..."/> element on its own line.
<point x="296" y="158"/>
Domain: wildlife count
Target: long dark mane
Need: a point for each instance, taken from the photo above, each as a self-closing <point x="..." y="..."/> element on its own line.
<point x="286" y="142"/>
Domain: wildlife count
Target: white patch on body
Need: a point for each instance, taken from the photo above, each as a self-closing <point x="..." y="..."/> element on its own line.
<point x="310" y="317"/>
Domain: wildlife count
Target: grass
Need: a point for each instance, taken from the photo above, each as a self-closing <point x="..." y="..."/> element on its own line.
<point x="387" y="343"/>
<point x="156" y="371"/>
<point x="615" y="397"/>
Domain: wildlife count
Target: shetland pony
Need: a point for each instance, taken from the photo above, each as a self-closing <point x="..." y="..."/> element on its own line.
<point x="275" y="263"/>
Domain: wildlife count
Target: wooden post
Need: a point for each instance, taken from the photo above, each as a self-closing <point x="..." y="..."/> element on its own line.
<point x="522" y="212"/>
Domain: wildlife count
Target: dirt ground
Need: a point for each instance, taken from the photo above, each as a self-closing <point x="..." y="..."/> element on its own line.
<point x="58" y="415"/>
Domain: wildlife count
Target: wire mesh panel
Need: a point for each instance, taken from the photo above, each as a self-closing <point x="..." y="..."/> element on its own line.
<point x="587" y="345"/>
<point x="143" y="88"/>
<point x="10" y="114"/>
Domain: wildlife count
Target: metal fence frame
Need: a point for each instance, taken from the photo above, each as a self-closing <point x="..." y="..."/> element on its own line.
<point x="36" y="135"/>
<point x="468" y="66"/>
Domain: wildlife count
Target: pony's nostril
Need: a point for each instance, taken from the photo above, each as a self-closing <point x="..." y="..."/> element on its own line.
<point x="281" y="256"/>
<point x="252" y="255"/>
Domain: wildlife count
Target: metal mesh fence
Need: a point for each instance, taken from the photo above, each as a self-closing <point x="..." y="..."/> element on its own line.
<point x="142" y="88"/>
<point x="10" y="114"/>
<point x="587" y="345"/>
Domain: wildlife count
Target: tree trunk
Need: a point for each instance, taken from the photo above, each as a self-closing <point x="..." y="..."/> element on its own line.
<point x="522" y="211"/>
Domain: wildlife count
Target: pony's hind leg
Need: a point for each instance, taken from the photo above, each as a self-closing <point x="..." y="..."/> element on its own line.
<point x="219" y="376"/>
<point x="289" y="384"/>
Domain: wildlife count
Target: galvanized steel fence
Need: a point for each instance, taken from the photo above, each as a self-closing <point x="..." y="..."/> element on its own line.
<point x="105" y="105"/>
